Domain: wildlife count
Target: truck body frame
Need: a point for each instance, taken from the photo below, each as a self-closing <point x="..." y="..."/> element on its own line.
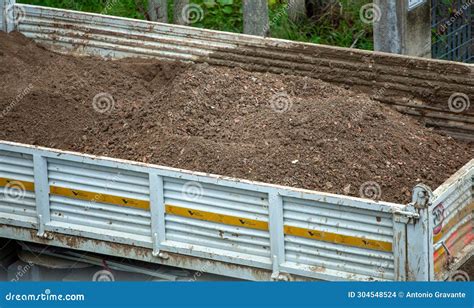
<point x="228" y="226"/>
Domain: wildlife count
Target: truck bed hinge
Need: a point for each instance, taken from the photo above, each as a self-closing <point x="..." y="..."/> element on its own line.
<point x="405" y="216"/>
<point x="421" y="199"/>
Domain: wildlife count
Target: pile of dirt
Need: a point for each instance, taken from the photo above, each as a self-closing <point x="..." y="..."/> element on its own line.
<point x="273" y="128"/>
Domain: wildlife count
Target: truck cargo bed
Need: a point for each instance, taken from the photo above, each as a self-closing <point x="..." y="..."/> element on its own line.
<point x="228" y="226"/>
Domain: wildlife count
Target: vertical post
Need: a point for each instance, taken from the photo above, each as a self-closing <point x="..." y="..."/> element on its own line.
<point x="179" y="12"/>
<point x="256" y="21"/>
<point x="3" y="25"/>
<point x="40" y="166"/>
<point x="296" y="9"/>
<point x="400" y="248"/>
<point x="277" y="235"/>
<point x="7" y="15"/>
<point x="157" y="210"/>
<point x="158" y="10"/>
<point x="420" y="237"/>
<point x="403" y="27"/>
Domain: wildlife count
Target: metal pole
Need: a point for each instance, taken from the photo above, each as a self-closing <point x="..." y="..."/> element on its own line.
<point x="402" y="27"/>
<point x="2" y="16"/>
<point x="256" y="21"/>
<point x="7" y="15"/>
<point x="158" y="10"/>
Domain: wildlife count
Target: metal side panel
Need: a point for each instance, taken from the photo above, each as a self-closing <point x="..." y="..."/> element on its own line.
<point x="17" y="195"/>
<point x="326" y="236"/>
<point x="99" y="198"/>
<point x="288" y="231"/>
<point x="217" y="218"/>
<point x="453" y="223"/>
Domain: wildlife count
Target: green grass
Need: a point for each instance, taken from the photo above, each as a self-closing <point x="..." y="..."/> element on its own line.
<point x="340" y="25"/>
<point x="123" y="8"/>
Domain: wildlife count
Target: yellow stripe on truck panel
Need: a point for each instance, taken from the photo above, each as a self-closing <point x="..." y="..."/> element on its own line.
<point x="209" y="216"/>
<point x="260" y="225"/>
<point x="99" y="197"/>
<point x="218" y="218"/>
<point x="338" y="238"/>
<point x="4" y="182"/>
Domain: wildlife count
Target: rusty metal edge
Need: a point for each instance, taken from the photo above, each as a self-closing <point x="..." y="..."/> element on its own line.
<point x="140" y="254"/>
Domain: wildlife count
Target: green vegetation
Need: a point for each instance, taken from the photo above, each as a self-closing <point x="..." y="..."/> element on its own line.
<point x="124" y="8"/>
<point x="338" y="24"/>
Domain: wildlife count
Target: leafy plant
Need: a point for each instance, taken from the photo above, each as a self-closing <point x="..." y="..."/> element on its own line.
<point x="224" y="15"/>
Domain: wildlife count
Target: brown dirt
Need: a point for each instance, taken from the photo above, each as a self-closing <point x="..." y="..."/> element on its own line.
<point x="219" y="120"/>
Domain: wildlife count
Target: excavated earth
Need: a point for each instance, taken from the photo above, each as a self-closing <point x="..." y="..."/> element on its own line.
<point x="279" y="129"/>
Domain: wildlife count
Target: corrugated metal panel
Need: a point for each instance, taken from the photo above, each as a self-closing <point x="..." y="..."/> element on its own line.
<point x="453" y="217"/>
<point x="286" y="230"/>
<point x="114" y="37"/>
<point x="351" y="222"/>
<point x="17" y="196"/>
<point x="218" y="233"/>
<point x="94" y="34"/>
<point x="93" y="211"/>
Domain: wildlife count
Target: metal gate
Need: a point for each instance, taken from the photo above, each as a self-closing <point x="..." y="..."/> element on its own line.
<point x="452" y="30"/>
